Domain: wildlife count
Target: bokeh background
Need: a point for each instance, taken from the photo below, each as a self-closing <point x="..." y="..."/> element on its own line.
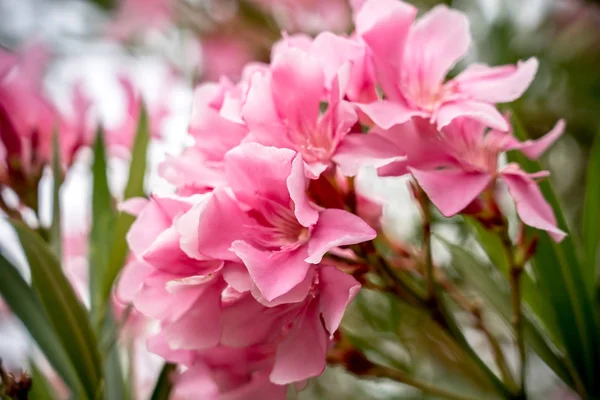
<point x="166" y="47"/>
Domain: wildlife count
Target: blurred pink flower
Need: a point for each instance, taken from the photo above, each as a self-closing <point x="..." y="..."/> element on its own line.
<point x="225" y="56"/>
<point x="139" y="16"/>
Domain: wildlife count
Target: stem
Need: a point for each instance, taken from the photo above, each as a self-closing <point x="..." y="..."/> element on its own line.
<point x="515" y="271"/>
<point x="357" y="363"/>
<point x="429" y="276"/>
<point x="474" y="308"/>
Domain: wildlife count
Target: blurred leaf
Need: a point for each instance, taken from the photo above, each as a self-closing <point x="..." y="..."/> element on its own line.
<point x="101" y="233"/>
<point x="66" y="313"/>
<point x="493" y="288"/>
<point x="403" y="336"/>
<point x="560" y="277"/>
<point x="41" y="389"/>
<point x="534" y="298"/>
<point x="134" y="188"/>
<point x="107" y="5"/>
<point x="591" y="215"/>
<point x="162" y="389"/>
<point x="25" y="304"/>
<point x="55" y="228"/>
<point x="114" y="378"/>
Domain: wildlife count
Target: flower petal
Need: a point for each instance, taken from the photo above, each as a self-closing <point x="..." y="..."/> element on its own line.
<point x="451" y="190"/>
<point x="336" y="228"/>
<point x="532" y="208"/>
<point x="359" y="150"/>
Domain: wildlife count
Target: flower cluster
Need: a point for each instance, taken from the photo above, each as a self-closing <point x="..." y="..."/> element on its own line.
<point x="235" y="265"/>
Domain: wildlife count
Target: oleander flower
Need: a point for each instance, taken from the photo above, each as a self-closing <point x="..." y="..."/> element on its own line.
<point x="413" y="58"/>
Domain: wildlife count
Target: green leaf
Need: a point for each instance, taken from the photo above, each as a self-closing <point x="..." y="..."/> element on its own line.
<point x="41" y="389"/>
<point x="560" y="277"/>
<point x="107" y="5"/>
<point x="494" y="289"/>
<point x="134" y="188"/>
<point x="162" y="389"/>
<point x="55" y="228"/>
<point x="26" y="305"/>
<point x="66" y="313"/>
<point x="101" y="233"/>
<point x="591" y="215"/>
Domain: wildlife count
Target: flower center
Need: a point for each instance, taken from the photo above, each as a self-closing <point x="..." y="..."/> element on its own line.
<point x="277" y="227"/>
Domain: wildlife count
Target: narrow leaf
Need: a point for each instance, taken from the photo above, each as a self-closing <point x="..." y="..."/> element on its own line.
<point x="65" y="312"/>
<point x="26" y="305"/>
<point x="41" y="389"/>
<point x="163" y="387"/>
<point x="55" y="228"/>
<point x="493" y="288"/>
<point x="560" y="276"/>
<point x="101" y="233"/>
<point x="591" y="214"/>
<point x="134" y="188"/>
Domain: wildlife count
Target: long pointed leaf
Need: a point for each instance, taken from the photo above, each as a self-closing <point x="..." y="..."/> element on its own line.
<point x="65" y="312"/>
<point x="26" y="305"/>
<point x="164" y="385"/>
<point x="495" y="291"/>
<point x="591" y="214"/>
<point x="560" y="276"/>
<point x="55" y="228"/>
<point x="101" y="233"/>
<point x="41" y="389"/>
<point x="134" y="188"/>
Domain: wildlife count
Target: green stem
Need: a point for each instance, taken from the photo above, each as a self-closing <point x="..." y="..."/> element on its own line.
<point x="515" y="271"/>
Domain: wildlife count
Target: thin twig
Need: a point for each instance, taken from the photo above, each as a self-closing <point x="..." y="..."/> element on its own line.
<point x="474" y="308"/>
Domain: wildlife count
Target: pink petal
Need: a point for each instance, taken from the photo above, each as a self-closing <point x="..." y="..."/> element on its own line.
<point x="297" y="294"/>
<point x="337" y="290"/>
<point x="302" y="354"/>
<point x="434" y="45"/>
<point x="334" y="51"/>
<point x="255" y="171"/>
<point x="150" y="222"/>
<point x="133" y="206"/>
<point x="247" y="322"/>
<point x="274" y="273"/>
<point x="210" y="227"/>
<point x="196" y="382"/>
<point x="386" y="114"/>
<point x="236" y="275"/>
<point x="291" y="70"/>
<point x="200" y="327"/>
<point x="451" y="190"/>
<point x="360" y="150"/>
<point x="535" y="148"/>
<point x="384" y="26"/>
<point x="297" y="184"/>
<point x="336" y="228"/>
<point x="131" y="280"/>
<point x="500" y="84"/>
<point x="483" y="112"/>
<point x="260" y="113"/>
<point x="531" y="205"/>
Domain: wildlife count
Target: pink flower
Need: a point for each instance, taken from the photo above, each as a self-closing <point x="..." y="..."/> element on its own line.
<point x="267" y="221"/>
<point x="120" y="139"/>
<point x="139" y="16"/>
<point x="279" y="113"/>
<point x="310" y="16"/>
<point x="225" y="56"/>
<point x="457" y="164"/>
<point x="216" y="127"/>
<point x="412" y="60"/>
